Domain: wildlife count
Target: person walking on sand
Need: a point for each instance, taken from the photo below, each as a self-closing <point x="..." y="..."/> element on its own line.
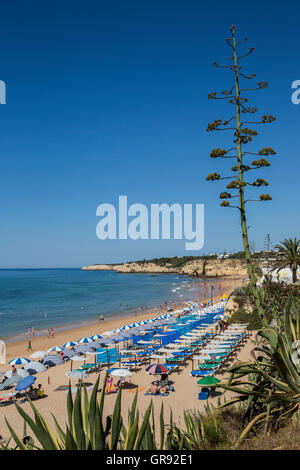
<point x="29" y="332"/>
<point x="32" y="331"/>
<point x="29" y="346"/>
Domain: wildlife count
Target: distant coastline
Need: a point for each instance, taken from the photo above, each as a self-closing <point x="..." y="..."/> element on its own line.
<point x="193" y="267"/>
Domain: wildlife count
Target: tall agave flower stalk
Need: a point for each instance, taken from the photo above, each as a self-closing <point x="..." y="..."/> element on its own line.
<point x="270" y="384"/>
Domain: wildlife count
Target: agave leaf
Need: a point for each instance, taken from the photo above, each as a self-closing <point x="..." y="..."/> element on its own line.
<point x="17" y="440"/>
<point x="162" y="427"/>
<point x="77" y="422"/>
<point x="143" y="427"/>
<point x="116" y="422"/>
<point x="92" y="407"/>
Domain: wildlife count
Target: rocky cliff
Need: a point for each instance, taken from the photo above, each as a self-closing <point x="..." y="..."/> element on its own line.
<point x="197" y="268"/>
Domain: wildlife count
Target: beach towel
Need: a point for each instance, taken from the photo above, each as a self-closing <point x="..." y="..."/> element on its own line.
<point x="157" y="395"/>
<point x="133" y="390"/>
<point x="61" y="388"/>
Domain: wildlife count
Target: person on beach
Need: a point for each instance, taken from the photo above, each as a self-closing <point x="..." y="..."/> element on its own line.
<point x="29" y="332"/>
<point x="13" y="370"/>
<point x="40" y="391"/>
<point x="110" y="386"/>
<point x="101" y="318"/>
<point x="29" y="346"/>
<point x="32" y="331"/>
<point x="52" y="333"/>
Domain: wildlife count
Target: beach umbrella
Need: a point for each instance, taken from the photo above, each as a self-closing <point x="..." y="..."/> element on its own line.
<point x="156" y="369"/>
<point x="134" y="325"/>
<point x="35" y="367"/>
<point x="55" y="349"/>
<point x="143" y="322"/>
<point x="125" y="327"/>
<point x="52" y="360"/>
<point x="84" y="349"/>
<point x="95" y="337"/>
<point x="77" y="374"/>
<point x="85" y="340"/>
<point x="19" y="361"/>
<point x="10" y="381"/>
<point x="121" y="373"/>
<point x="78" y="358"/>
<point x="117" y="330"/>
<point x="209" y="380"/>
<point x="25" y="383"/>
<point x="69" y="344"/>
<point x="20" y="372"/>
<point x="69" y="354"/>
<point x="106" y="341"/>
<point x="38" y="354"/>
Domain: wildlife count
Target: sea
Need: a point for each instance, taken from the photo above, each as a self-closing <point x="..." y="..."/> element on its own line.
<point x="58" y="298"/>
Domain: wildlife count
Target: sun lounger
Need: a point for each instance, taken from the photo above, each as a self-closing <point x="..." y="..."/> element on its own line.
<point x="201" y="373"/>
<point x="157" y="395"/>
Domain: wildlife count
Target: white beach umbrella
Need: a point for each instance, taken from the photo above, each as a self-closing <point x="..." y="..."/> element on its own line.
<point x="121" y="373"/>
<point x="78" y="358"/>
<point x="117" y="330"/>
<point x="77" y="374"/>
<point x="95" y="337"/>
<point x="20" y="373"/>
<point x="38" y="354"/>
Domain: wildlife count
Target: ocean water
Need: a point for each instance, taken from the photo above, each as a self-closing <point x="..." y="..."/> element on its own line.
<point x="52" y="298"/>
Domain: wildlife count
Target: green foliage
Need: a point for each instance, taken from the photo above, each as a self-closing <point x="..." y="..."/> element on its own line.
<point x="270" y="384"/>
<point x="288" y="254"/>
<point x="242" y="316"/>
<point x="86" y="429"/>
<point x="200" y="432"/>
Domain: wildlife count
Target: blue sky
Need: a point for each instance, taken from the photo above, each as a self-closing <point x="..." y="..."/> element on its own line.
<point x="110" y="98"/>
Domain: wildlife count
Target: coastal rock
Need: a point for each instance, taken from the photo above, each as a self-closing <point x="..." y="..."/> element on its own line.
<point x="197" y="268"/>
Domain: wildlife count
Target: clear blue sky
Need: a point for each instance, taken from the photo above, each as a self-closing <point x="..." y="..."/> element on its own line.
<point x="110" y="98"/>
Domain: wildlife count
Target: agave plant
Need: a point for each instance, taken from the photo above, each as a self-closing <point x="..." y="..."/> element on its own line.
<point x="200" y="432"/>
<point x="270" y="384"/>
<point x="86" y="430"/>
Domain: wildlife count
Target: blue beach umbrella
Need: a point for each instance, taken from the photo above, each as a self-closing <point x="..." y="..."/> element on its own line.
<point x="125" y="327"/>
<point x="134" y="325"/>
<point x="117" y="330"/>
<point x="24" y="383"/>
<point x="69" y="344"/>
<point x="55" y="349"/>
<point x="18" y="361"/>
<point x="85" y="340"/>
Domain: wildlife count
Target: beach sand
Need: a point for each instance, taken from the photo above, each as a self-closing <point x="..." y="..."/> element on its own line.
<point x="185" y="396"/>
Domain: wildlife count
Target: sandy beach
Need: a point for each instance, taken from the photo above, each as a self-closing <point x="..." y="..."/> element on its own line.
<point x="55" y="377"/>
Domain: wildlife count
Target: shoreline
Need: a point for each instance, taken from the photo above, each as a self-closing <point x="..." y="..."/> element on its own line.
<point x="65" y="333"/>
<point x="93" y="319"/>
